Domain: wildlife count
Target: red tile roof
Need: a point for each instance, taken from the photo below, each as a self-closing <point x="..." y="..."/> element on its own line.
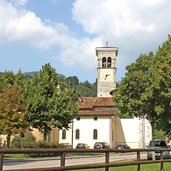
<point x="96" y="106"/>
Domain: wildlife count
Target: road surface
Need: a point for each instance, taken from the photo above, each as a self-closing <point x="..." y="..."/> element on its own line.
<point x="11" y="164"/>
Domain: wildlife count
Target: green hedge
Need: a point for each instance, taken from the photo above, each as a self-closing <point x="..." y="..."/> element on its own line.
<point x="29" y="141"/>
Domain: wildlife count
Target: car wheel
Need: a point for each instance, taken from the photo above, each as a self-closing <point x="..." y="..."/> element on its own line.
<point x="149" y="158"/>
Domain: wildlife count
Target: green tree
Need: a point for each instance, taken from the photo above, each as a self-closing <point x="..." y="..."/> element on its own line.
<point x="12" y="112"/>
<point x="163" y="88"/>
<point x="87" y="89"/>
<point x="72" y="81"/>
<point x="145" y="92"/>
<point x="9" y="78"/>
<point x="6" y="78"/>
<point x="50" y="103"/>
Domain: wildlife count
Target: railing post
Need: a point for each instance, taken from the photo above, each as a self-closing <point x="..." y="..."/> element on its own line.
<point x="63" y="159"/>
<point x="1" y="161"/>
<point x="107" y="161"/>
<point x="138" y="160"/>
<point x="161" y="159"/>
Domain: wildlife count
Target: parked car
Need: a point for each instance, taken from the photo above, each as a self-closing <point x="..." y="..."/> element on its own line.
<point x="122" y="146"/>
<point x="101" y="145"/>
<point x="156" y="144"/>
<point x="66" y="145"/>
<point x="82" y="146"/>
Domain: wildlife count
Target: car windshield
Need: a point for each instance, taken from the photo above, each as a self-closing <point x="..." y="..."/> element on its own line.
<point x="98" y="143"/>
<point x="158" y="144"/>
<point x="119" y="145"/>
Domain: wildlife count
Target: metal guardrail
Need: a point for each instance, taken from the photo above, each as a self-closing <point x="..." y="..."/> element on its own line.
<point x="106" y="164"/>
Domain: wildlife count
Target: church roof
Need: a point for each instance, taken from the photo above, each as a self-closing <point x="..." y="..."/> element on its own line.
<point x="96" y="106"/>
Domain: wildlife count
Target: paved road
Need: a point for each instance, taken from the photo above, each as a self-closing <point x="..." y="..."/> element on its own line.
<point x="70" y="160"/>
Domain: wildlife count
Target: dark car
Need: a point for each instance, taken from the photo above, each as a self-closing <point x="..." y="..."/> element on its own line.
<point x="122" y="146"/>
<point x="101" y="145"/>
<point x="158" y="144"/>
<point x="82" y="146"/>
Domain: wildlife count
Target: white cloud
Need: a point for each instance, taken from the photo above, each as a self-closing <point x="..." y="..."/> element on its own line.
<point x="80" y="52"/>
<point x="21" y="2"/>
<point x="134" y="26"/>
<point x="24" y="26"/>
<point x="119" y="17"/>
<point x="153" y="2"/>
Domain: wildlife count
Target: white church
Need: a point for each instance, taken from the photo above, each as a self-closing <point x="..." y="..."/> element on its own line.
<point x="96" y="121"/>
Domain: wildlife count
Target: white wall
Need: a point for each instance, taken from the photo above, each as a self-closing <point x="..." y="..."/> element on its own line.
<point x="137" y="132"/>
<point x="86" y="125"/>
<point x="130" y="128"/>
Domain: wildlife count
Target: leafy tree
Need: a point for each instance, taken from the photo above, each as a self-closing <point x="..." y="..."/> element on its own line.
<point x="87" y="89"/>
<point x="72" y="80"/>
<point x="50" y="103"/>
<point x="163" y="88"/>
<point x="145" y="91"/>
<point x="6" y="78"/>
<point x="12" y="112"/>
<point x="9" y="78"/>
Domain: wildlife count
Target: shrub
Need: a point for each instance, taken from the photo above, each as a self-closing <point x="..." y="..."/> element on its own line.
<point x="28" y="141"/>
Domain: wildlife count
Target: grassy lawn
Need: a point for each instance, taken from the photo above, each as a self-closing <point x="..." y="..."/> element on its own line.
<point x="16" y="156"/>
<point x="145" y="167"/>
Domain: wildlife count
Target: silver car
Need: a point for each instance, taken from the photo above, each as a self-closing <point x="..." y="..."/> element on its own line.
<point x="158" y="144"/>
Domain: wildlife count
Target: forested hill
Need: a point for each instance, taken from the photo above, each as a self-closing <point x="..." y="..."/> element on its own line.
<point x="83" y="88"/>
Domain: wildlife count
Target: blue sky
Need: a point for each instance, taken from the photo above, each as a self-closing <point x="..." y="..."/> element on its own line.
<point x="65" y="33"/>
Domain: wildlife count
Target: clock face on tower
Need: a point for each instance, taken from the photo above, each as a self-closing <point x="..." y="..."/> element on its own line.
<point x="106" y="76"/>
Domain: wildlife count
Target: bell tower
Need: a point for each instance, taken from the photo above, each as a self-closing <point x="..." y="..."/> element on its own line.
<point x="106" y="80"/>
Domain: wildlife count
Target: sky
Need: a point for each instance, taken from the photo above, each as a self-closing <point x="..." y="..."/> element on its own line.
<point x="65" y="33"/>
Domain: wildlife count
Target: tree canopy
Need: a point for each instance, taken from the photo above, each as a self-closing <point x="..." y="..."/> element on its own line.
<point x="50" y="103"/>
<point x="145" y="91"/>
<point x="12" y="112"/>
<point x="43" y="101"/>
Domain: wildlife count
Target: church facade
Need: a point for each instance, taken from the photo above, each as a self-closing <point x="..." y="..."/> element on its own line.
<point x="96" y="121"/>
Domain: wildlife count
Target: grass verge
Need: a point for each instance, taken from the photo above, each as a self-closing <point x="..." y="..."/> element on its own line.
<point x="16" y="156"/>
<point x="145" y="167"/>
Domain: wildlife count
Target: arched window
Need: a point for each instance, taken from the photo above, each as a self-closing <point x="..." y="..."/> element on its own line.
<point x="109" y="62"/>
<point x="63" y="134"/>
<point x="77" y="134"/>
<point x="95" y="134"/>
<point x="104" y="62"/>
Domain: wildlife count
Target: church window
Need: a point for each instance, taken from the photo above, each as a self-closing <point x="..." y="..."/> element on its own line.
<point x="104" y="62"/>
<point x="95" y="134"/>
<point x="63" y="134"/>
<point x="77" y="134"/>
<point x="95" y="118"/>
<point x="109" y="61"/>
